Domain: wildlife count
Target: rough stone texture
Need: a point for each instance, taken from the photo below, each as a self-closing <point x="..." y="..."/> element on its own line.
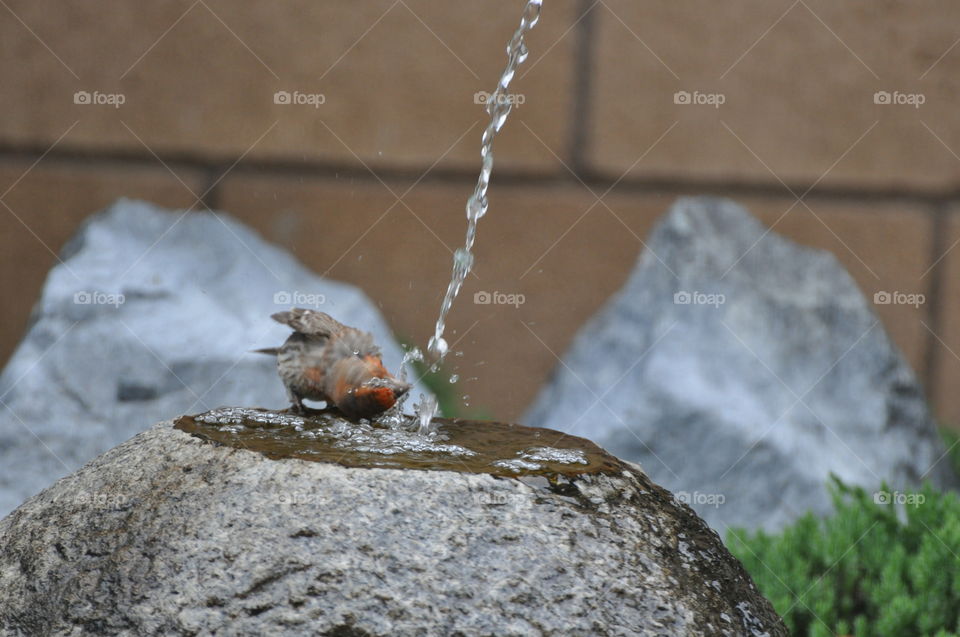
<point x="168" y="534"/>
<point x="748" y="405"/>
<point x="884" y="246"/>
<point x="198" y="291"/>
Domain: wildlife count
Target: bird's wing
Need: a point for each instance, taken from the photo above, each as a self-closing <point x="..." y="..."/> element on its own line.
<point x="354" y="342"/>
<point x="309" y="322"/>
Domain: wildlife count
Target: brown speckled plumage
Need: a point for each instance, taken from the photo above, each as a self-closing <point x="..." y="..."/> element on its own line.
<point x="326" y="360"/>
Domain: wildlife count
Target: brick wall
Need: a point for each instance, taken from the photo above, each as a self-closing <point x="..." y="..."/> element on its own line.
<point x="369" y="186"/>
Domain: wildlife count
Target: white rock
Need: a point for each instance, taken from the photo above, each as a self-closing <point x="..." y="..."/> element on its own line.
<point x="768" y="371"/>
<point x="197" y="292"/>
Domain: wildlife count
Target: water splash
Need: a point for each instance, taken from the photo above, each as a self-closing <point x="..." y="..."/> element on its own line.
<point x="394" y="417"/>
<point x="517" y="465"/>
<point x="552" y="454"/>
<point x="498" y="107"/>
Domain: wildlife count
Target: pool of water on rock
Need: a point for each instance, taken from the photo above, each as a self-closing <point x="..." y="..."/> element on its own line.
<point x="453" y="444"/>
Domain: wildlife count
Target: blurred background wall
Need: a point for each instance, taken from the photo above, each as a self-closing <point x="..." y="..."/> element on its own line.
<point x="348" y="132"/>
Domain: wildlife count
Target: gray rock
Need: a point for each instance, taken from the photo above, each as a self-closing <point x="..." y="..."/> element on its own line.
<point x="197" y="293"/>
<point x="741" y="369"/>
<point x="171" y="534"/>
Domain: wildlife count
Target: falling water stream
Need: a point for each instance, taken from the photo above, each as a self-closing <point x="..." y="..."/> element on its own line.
<point x="396" y="440"/>
<point x="498" y="107"/>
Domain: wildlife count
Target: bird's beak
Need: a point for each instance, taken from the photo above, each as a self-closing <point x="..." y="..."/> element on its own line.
<point x="399" y="388"/>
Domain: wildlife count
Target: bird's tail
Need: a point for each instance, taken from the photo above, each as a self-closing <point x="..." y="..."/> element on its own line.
<point x="270" y="351"/>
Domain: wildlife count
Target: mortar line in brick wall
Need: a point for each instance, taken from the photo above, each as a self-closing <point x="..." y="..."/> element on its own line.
<point x="938" y="245"/>
<point x="322" y="170"/>
<point x="582" y="87"/>
<point x="211" y="188"/>
<point x="772" y="189"/>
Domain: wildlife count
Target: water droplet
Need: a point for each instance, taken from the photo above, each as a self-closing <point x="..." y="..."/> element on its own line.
<point x="454" y="378"/>
<point x="476" y="207"/>
<point x="413" y="354"/>
<point x="522" y="53"/>
<point x="463" y="261"/>
<point x="426" y="409"/>
<point x="437" y="346"/>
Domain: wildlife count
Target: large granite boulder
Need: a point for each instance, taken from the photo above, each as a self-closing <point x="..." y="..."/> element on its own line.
<point x="152" y="314"/>
<point x="223" y="525"/>
<point x="741" y="369"/>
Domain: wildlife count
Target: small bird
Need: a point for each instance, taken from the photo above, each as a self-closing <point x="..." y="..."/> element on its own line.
<point x="326" y="360"/>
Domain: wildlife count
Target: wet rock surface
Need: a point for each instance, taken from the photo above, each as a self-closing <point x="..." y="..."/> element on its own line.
<point x="452" y="444"/>
<point x="180" y="533"/>
<point x="152" y="314"/>
<point x="741" y="369"/>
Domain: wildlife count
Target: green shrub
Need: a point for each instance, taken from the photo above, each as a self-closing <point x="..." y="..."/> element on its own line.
<point x="870" y="570"/>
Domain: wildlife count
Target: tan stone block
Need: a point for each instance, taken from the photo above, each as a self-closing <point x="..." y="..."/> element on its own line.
<point x="798" y="82"/>
<point x="43" y="207"/>
<point x="398" y="79"/>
